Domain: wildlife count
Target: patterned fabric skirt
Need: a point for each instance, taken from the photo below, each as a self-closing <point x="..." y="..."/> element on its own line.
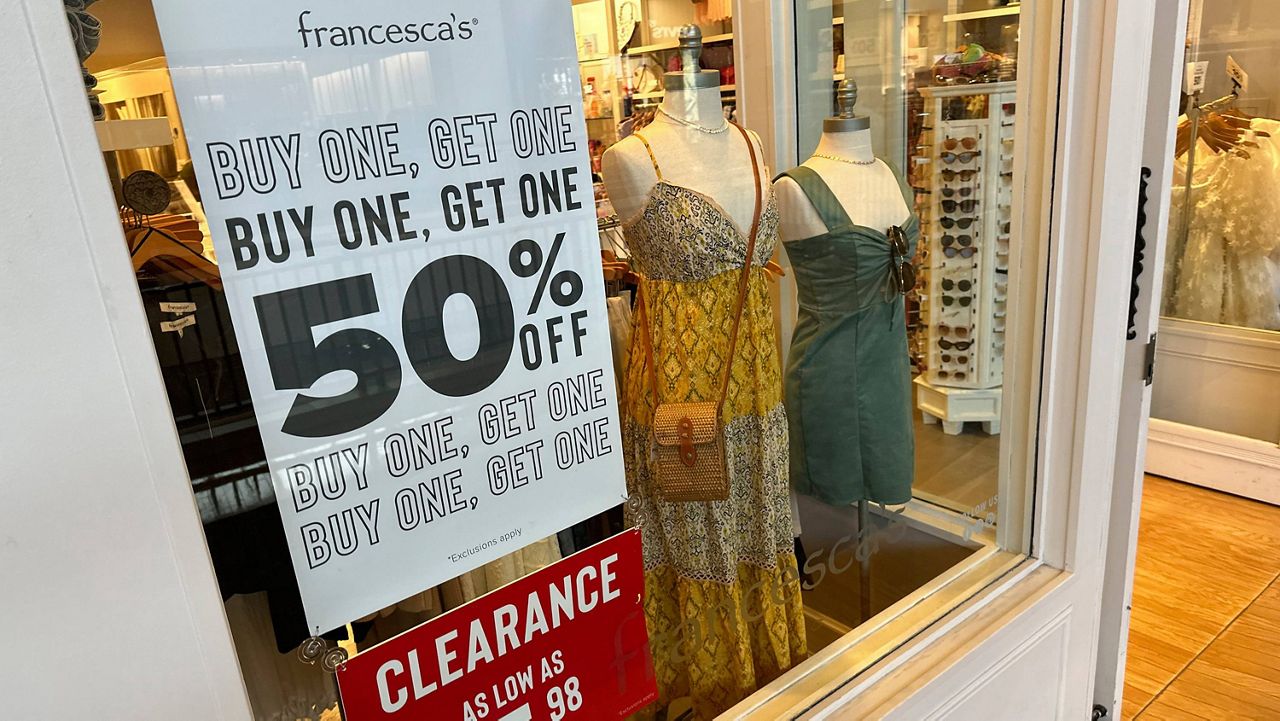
<point x="722" y="589"/>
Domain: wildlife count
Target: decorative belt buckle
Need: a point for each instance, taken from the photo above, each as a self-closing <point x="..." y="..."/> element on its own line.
<point x="688" y="452"/>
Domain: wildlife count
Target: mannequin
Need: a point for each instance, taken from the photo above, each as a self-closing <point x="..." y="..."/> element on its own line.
<point x="869" y="193"/>
<point x="848" y="383"/>
<point x="714" y="164"/>
<point x="703" y="317"/>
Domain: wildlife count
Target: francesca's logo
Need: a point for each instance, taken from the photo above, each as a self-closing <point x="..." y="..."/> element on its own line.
<point x="443" y="30"/>
<point x="664" y="32"/>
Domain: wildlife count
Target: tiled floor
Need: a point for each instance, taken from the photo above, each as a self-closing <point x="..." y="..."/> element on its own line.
<point x="1205" y="633"/>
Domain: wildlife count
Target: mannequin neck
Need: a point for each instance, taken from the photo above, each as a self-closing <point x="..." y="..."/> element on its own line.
<point x="701" y="106"/>
<point x="855" y="145"/>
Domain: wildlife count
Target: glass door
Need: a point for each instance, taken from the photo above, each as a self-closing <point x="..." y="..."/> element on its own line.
<point x="1217" y="395"/>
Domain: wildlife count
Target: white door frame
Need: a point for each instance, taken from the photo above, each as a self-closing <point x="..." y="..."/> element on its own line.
<point x="111" y="606"/>
<point x="1165" y="67"/>
<point x="1044" y="616"/>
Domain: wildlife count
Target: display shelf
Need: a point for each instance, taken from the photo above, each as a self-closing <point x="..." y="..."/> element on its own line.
<point x="953" y="407"/>
<point x="673" y="44"/>
<point x="594" y="59"/>
<point x="658" y="94"/>
<point x="977" y="286"/>
<point x="133" y="134"/>
<point x="982" y="14"/>
<point x="947" y="91"/>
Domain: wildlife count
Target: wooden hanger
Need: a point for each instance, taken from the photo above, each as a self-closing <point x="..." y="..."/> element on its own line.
<point x="1221" y="133"/>
<point x="1222" y="127"/>
<point x="148" y="245"/>
<point x="617" y="270"/>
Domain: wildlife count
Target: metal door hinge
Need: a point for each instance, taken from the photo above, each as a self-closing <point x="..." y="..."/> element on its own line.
<point x="1149" y="362"/>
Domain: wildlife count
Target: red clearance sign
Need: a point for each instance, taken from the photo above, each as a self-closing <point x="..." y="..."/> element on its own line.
<point x="568" y="642"/>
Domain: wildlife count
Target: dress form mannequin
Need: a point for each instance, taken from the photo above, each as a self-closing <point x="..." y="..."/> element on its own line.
<point x="847" y="368"/>
<point x="717" y="164"/>
<point x="865" y="187"/>
<point x="704" y="317"/>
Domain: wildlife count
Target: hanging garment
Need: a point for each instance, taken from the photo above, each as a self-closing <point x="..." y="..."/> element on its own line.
<point x="495" y="574"/>
<point x="722" y="593"/>
<point x="848" y="384"/>
<point x="1222" y="270"/>
<point x="620" y="325"/>
<point x="710" y="11"/>
<point x="280" y="687"/>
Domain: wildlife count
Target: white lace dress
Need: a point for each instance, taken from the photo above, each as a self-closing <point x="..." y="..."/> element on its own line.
<point x="1226" y="270"/>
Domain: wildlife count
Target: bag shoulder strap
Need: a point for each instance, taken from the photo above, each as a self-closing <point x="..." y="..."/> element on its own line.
<point x="743" y="287"/>
<point x="744" y="279"/>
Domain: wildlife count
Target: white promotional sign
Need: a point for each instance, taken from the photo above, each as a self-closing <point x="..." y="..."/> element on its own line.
<point x="401" y="202"/>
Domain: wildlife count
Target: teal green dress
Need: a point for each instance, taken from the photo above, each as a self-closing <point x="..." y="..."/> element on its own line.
<point x="848" y="383"/>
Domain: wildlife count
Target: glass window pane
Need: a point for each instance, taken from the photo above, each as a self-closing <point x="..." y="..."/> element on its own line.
<point x="1221" y="303"/>
<point x="856" y="385"/>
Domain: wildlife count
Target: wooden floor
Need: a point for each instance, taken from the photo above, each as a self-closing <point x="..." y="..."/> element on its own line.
<point x="957" y="472"/>
<point x="1205" y="634"/>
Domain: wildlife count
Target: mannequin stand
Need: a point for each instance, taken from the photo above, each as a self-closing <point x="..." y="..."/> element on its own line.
<point x="864" y="561"/>
<point x="953" y="407"/>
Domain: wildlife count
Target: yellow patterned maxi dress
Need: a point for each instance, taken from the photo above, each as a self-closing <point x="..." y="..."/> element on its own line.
<point x="722" y="591"/>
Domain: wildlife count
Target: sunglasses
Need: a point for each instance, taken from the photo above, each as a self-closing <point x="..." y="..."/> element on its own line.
<point x="965" y="301"/>
<point x="965" y="285"/>
<point x="961" y="359"/>
<point x="945" y="344"/>
<point x="963" y="175"/>
<point x="964" y="206"/>
<point x="962" y="223"/>
<point x="966" y="143"/>
<point x="902" y="273"/>
<point x="950" y="240"/>
<point x="960" y="252"/>
<point x="958" y="331"/>
<point x="952" y="192"/>
<point x="950" y="158"/>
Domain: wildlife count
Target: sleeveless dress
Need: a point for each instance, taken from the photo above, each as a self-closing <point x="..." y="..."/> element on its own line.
<point x="848" y="385"/>
<point x="722" y="593"/>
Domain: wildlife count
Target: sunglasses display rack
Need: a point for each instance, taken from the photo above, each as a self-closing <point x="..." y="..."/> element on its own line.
<point x="963" y="168"/>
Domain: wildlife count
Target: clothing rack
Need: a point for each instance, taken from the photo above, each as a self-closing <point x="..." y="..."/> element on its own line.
<point x="1194" y="115"/>
<point x="864" y="560"/>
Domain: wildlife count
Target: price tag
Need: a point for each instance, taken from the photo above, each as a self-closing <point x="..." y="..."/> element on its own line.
<point x="401" y="202"/>
<point x="1193" y="82"/>
<point x="178" y="308"/>
<point x="568" y="643"/>
<point x="1237" y="74"/>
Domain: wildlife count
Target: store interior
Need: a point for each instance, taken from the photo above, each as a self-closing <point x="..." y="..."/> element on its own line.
<point x="1216" y="403"/>
<point x="1215" y="412"/>
<point x="945" y="126"/>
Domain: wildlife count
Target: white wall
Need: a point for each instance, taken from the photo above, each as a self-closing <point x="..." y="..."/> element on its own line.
<point x="1247" y="30"/>
<point x="106" y="610"/>
<point x="1219" y="377"/>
